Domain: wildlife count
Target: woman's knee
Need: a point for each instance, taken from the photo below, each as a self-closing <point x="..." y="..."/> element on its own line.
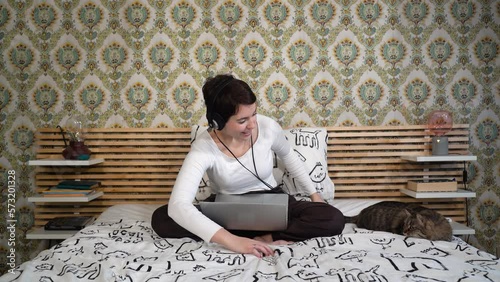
<point x="334" y="220"/>
<point x="166" y="227"/>
<point x="338" y="221"/>
<point x="329" y="220"/>
<point x="160" y="221"/>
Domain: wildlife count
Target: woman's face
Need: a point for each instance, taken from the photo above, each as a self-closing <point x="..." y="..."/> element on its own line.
<point x="241" y="124"/>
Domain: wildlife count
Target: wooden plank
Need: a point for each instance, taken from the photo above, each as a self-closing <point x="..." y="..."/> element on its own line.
<point x="334" y="142"/>
<point x="370" y="165"/>
<point x="114" y="143"/>
<point x="141" y="165"/>
<point x="118" y="182"/>
<point x="399" y="134"/>
<point x="124" y="150"/>
<point x="398" y="154"/>
<point x="385" y="174"/>
<point x="386" y="128"/>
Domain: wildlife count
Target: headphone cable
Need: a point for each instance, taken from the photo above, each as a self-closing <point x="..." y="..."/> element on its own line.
<point x="256" y="174"/>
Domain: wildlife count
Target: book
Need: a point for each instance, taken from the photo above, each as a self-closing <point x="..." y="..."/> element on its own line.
<point x="56" y="192"/>
<point x="59" y="190"/>
<point x="68" y="223"/>
<point x="432" y="185"/>
<point x="66" y="195"/>
<point x="75" y="184"/>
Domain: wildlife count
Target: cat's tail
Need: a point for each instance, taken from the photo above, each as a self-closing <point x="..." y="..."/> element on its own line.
<point x="351" y="219"/>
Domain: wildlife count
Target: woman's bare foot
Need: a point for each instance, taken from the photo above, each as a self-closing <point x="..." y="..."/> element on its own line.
<point x="281" y="242"/>
<point x="267" y="238"/>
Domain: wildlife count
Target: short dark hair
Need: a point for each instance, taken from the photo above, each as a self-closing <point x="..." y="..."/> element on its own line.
<point x="224" y="93"/>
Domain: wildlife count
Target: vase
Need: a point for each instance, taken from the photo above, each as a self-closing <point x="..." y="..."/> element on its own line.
<point x="439" y="145"/>
<point x="77" y="150"/>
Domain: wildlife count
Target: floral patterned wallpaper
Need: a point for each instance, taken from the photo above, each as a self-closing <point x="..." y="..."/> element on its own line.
<point x="141" y="63"/>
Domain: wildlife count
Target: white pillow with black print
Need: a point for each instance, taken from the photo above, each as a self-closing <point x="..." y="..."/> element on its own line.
<point x="204" y="191"/>
<point x="310" y="145"/>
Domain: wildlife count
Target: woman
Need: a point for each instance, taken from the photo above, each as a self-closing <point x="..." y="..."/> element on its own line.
<point x="227" y="153"/>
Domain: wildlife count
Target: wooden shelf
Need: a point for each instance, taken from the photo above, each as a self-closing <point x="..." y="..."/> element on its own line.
<point x="449" y="158"/>
<point x="460" y="193"/>
<point x="61" y="162"/>
<point x="88" y="198"/>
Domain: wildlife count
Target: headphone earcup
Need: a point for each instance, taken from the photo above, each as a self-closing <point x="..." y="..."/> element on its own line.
<point x="217" y="121"/>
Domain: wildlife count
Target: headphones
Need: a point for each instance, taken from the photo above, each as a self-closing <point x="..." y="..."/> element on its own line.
<point x="215" y="120"/>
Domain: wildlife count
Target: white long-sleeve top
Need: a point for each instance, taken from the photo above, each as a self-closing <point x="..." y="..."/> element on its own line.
<point x="227" y="176"/>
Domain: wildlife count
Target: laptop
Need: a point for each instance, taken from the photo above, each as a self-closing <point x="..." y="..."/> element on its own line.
<point x="259" y="212"/>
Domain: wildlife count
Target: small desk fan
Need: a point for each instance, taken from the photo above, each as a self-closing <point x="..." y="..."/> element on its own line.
<point x="440" y="122"/>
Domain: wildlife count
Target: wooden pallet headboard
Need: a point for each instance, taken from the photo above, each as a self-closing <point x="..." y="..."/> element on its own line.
<point x="141" y="165"/>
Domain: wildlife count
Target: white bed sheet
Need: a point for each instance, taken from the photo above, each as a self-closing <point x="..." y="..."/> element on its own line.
<point x="121" y="246"/>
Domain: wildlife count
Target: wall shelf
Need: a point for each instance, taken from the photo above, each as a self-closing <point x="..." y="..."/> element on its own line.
<point x="460" y="193"/>
<point x="62" y="162"/>
<point x="62" y="199"/>
<point x="39" y="233"/>
<point x="460" y="229"/>
<point x="450" y="158"/>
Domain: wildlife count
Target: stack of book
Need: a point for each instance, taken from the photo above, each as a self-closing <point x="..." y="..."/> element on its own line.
<point x="69" y="223"/>
<point x="72" y="188"/>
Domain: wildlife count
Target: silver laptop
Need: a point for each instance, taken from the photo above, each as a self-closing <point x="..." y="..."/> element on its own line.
<point x="260" y="212"/>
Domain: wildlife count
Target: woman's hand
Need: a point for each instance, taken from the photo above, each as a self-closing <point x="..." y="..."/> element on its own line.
<point x="242" y="245"/>
<point x="316" y="198"/>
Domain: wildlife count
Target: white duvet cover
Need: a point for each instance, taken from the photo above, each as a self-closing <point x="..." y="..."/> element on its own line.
<point x="121" y="246"/>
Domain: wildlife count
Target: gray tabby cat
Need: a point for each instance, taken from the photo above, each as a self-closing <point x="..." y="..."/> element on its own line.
<point x="406" y="219"/>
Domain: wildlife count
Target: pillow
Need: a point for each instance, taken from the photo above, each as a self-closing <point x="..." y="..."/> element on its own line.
<point x="204" y="191"/>
<point x="135" y="212"/>
<point x="310" y="144"/>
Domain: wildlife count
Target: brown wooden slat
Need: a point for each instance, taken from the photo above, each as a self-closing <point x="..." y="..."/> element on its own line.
<point x="347" y="141"/>
<point x="128" y="150"/>
<point x="141" y="165"/>
<point x="388" y="128"/>
<point x="372" y="165"/>
<point x="113" y="183"/>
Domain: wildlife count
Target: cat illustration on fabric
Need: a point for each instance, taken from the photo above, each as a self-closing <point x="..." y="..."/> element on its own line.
<point x="306" y="138"/>
<point x="356" y="274"/>
<point x="318" y="174"/>
<point x="224" y="257"/>
<point x="411" y="264"/>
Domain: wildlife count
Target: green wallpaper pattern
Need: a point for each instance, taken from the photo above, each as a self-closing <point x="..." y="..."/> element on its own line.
<point x="317" y="63"/>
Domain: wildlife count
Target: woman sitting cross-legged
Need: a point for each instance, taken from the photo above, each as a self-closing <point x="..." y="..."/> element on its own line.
<point x="237" y="155"/>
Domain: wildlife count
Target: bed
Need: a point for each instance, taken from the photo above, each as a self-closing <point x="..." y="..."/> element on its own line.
<point x="121" y="246"/>
<point x="140" y="168"/>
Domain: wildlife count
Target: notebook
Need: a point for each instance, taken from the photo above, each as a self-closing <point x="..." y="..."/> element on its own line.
<point x="259" y="212"/>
